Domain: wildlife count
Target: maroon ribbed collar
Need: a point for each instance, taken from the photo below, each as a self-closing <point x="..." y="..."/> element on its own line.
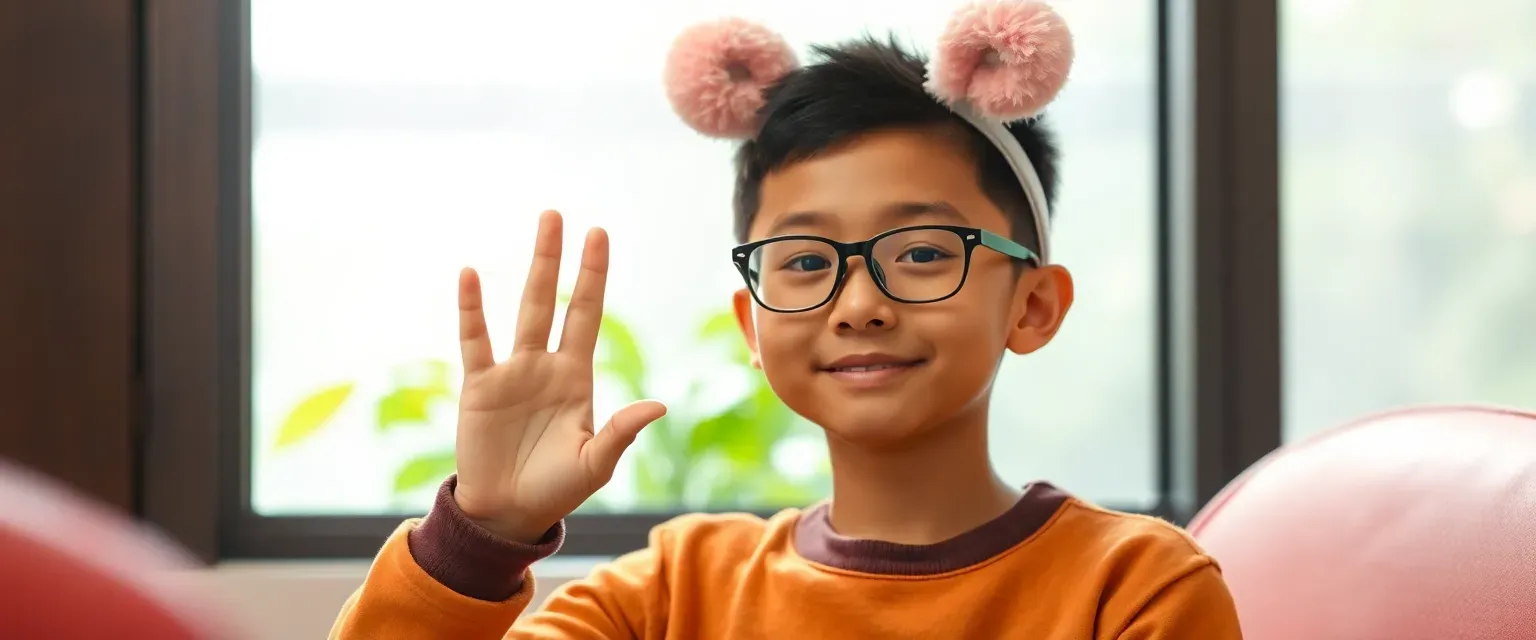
<point x="816" y="541"/>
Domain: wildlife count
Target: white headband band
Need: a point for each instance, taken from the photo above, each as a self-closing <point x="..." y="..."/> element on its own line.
<point x="998" y="134"/>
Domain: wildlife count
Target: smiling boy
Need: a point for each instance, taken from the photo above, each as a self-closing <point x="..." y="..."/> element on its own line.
<point x="892" y="251"/>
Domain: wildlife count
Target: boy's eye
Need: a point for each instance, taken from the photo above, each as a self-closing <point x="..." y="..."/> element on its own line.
<point x="808" y="262"/>
<point x="922" y="254"/>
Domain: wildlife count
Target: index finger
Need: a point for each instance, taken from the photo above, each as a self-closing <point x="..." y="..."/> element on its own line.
<point x="585" y="313"/>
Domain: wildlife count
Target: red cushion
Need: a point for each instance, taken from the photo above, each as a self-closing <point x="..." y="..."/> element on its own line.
<point x="73" y="569"/>
<point x="1416" y="524"/>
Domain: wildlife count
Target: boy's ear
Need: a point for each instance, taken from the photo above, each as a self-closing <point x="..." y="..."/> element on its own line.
<point x="1040" y="303"/>
<point x="742" y="303"/>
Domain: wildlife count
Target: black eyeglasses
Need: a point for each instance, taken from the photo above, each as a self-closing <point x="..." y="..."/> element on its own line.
<point x="913" y="265"/>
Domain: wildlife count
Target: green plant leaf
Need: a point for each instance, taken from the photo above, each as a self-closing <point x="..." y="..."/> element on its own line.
<point x="722" y="329"/>
<point x="312" y="414"/>
<point x="744" y="433"/>
<point x="618" y="353"/>
<point x="620" y="356"/>
<point x="720" y="325"/>
<point x="425" y="469"/>
<point x="418" y="386"/>
<point x="775" y="418"/>
<point x="735" y="434"/>
<point x="408" y="405"/>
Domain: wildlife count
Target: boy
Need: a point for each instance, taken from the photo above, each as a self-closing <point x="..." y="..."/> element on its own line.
<point x="881" y="292"/>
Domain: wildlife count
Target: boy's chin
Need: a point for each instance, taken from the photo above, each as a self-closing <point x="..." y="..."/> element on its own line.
<point x="884" y="428"/>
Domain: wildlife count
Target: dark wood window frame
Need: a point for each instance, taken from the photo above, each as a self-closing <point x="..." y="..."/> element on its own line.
<point x="1218" y="335"/>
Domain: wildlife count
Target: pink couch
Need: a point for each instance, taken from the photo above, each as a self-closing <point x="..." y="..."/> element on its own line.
<point x="1418" y="524"/>
<point x="74" y="569"/>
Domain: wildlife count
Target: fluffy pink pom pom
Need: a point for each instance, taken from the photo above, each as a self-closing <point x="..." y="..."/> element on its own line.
<point x="1007" y="58"/>
<point x="716" y="73"/>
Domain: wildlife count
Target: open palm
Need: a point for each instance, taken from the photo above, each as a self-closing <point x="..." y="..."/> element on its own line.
<point x="527" y="452"/>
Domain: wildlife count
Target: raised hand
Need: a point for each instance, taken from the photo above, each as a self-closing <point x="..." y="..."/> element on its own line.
<point x="527" y="452"/>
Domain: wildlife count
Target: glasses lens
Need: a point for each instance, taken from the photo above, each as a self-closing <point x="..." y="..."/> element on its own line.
<point x="921" y="265"/>
<point x="793" y="274"/>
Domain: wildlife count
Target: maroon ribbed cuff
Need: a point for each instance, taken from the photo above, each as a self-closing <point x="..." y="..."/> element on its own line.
<point x="467" y="558"/>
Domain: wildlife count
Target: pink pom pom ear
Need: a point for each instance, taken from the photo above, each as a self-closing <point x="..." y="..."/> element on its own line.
<point x="1006" y="58"/>
<point x="717" y="71"/>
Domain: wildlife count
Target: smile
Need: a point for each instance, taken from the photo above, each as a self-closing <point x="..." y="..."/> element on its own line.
<point x="873" y="367"/>
<point x="868" y="376"/>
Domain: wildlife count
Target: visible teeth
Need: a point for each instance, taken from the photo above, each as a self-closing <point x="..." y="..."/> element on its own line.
<point x="873" y="367"/>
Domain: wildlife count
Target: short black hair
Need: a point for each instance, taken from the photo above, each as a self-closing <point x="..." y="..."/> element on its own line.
<point x="867" y="85"/>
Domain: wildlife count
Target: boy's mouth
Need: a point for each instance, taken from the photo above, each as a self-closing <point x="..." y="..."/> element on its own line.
<point x="870" y="369"/>
<point x="873" y="367"/>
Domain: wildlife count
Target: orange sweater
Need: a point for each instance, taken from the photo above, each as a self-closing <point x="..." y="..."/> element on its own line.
<point x="1052" y="568"/>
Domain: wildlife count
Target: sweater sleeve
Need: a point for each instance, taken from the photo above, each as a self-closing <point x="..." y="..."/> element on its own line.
<point x="1196" y="605"/>
<point x="444" y="577"/>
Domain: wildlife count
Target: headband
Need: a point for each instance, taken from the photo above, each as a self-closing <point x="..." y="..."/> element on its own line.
<point x="997" y="62"/>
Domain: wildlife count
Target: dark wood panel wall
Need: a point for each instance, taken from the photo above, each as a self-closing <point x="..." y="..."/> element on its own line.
<point x="69" y="204"/>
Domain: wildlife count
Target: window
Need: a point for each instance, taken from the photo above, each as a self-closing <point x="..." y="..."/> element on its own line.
<point x="317" y="171"/>
<point x="1409" y="187"/>
<point x="395" y="143"/>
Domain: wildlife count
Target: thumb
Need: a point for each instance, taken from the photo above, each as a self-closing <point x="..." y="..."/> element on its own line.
<point x="601" y="454"/>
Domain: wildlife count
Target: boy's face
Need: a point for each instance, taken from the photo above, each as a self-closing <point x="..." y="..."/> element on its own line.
<point x="945" y="353"/>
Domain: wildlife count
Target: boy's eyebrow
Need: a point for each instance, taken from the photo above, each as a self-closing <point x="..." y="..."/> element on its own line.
<point x="895" y="213"/>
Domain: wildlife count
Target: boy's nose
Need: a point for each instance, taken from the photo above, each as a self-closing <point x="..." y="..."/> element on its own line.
<point x="860" y="305"/>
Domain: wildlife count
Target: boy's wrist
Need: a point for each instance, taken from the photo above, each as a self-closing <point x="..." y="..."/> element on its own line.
<point x="471" y="559"/>
<point x="512" y="527"/>
<point x="516" y="530"/>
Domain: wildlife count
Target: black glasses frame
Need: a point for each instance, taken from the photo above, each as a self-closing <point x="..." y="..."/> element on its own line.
<point x="972" y="237"/>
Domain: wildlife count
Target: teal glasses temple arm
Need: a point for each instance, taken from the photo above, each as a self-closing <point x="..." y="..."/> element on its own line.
<point x="1007" y="247"/>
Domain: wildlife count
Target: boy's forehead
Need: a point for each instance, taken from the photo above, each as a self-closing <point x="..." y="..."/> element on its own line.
<point x="877" y="182"/>
<point x="890" y="215"/>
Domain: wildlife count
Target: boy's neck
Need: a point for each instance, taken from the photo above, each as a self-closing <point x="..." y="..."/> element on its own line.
<point x="924" y="493"/>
